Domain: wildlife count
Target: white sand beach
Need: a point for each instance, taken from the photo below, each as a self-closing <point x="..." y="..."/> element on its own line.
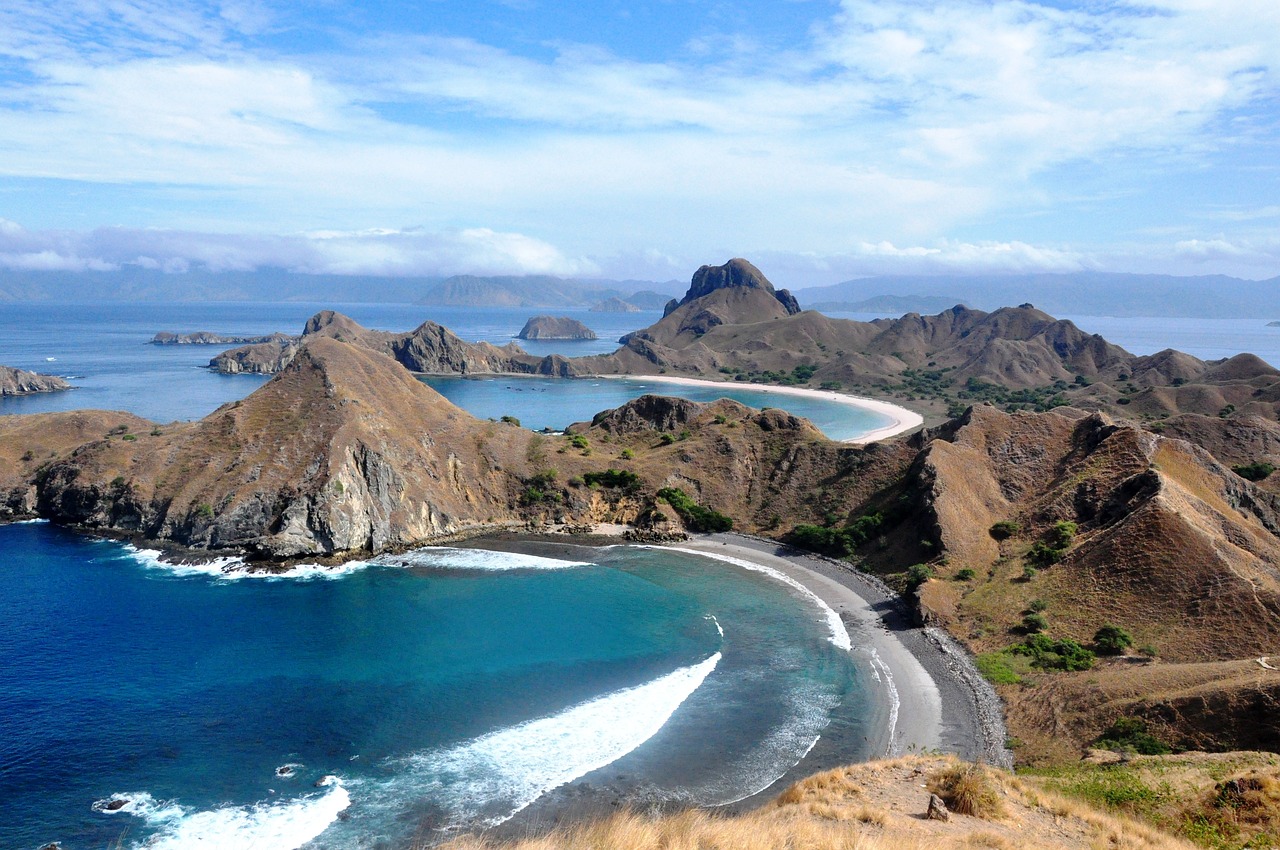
<point x="903" y="419"/>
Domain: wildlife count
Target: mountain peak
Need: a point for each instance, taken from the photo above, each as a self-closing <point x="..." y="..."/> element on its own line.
<point x="736" y="274"/>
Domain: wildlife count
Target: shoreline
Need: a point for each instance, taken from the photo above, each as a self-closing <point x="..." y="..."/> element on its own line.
<point x="931" y="697"/>
<point x="904" y="420"/>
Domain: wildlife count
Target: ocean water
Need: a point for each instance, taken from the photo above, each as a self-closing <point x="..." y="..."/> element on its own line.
<point x="166" y="707"/>
<point x="104" y="351"/>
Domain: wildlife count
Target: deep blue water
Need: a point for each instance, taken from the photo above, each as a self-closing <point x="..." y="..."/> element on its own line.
<point x="446" y="687"/>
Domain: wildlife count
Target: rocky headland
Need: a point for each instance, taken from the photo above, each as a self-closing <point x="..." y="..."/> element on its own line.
<point x="430" y="349"/>
<point x="555" y="327"/>
<point x="21" y="382"/>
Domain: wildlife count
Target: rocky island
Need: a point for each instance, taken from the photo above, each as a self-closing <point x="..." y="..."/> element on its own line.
<point x="614" y="305"/>
<point x="21" y="382"/>
<point x="555" y="327"/>
<point x="210" y="338"/>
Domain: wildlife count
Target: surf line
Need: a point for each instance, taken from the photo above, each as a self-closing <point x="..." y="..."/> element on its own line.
<point x="839" y="634"/>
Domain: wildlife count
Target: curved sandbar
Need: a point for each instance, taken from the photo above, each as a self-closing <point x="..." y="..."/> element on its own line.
<point x="903" y="419"/>
<point x="935" y="697"/>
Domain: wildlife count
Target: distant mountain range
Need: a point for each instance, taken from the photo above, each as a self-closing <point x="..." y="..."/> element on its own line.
<point x="135" y="284"/>
<point x="1078" y="293"/>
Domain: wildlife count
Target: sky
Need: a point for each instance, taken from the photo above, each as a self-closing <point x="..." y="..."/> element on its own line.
<point x="822" y="140"/>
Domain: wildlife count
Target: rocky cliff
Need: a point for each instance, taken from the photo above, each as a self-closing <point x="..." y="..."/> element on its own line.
<point x="21" y="382"/>
<point x="210" y="338"/>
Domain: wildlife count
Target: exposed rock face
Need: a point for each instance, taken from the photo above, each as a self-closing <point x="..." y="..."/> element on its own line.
<point x="614" y="305"/>
<point x="736" y="274"/>
<point x="21" y="382"/>
<point x="343" y="451"/>
<point x="556" y="327"/>
<point x="209" y="338"/>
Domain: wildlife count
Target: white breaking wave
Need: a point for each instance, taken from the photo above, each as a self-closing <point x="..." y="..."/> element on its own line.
<point x="234" y="569"/>
<point x="475" y="559"/>
<point x="264" y="826"/>
<point x="878" y="667"/>
<point x="496" y="775"/>
<point x="839" y="634"/>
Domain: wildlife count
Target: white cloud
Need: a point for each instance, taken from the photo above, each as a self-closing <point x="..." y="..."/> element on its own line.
<point x="901" y="121"/>
<point x="382" y="252"/>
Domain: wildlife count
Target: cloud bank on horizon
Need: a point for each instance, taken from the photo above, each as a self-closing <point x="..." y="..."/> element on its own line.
<point x="824" y="140"/>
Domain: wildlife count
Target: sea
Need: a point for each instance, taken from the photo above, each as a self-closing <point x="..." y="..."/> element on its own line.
<point x="389" y="703"/>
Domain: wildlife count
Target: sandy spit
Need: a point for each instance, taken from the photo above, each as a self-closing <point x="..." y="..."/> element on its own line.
<point x="942" y="701"/>
<point x="903" y="420"/>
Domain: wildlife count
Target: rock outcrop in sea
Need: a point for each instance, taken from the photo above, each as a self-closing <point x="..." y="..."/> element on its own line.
<point x="21" y="382"/>
<point x="555" y="327"/>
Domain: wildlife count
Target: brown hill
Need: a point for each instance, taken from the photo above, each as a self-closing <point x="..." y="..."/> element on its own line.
<point x="21" y="382"/>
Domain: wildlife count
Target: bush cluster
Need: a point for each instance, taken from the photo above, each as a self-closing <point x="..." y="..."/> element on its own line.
<point x="696" y="517"/>
<point x="1061" y="654"/>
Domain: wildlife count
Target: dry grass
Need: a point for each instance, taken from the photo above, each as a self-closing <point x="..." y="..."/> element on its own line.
<point x="967" y="789"/>
<point x="873" y="806"/>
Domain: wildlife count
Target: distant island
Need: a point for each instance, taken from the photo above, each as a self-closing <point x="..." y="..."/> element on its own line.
<point x="209" y="338"/>
<point x="615" y="305"/>
<point x="555" y="327"/>
<point x="21" y="382"/>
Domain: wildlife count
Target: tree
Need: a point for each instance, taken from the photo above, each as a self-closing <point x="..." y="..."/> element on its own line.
<point x="1112" y="640"/>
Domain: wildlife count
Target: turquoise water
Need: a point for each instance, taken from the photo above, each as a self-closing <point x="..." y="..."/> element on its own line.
<point x="438" y="688"/>
<point x="556" y="402"/>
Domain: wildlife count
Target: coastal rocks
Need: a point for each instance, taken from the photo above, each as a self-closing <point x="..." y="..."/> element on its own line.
<point x="555" y="327"/>
<point x="265" y="358"/>
<point x="21" y="382"/>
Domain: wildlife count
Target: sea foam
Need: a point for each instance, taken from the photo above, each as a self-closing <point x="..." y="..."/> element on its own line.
<point x="493" y="777"/>
<point x="839" y="634"/>
<point x="279" y="826"/>
<point x="449" y="557"/>
<point x="235" y="569"/>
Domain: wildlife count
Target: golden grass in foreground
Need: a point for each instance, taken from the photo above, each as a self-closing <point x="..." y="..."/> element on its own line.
<point x="873" y="806"/>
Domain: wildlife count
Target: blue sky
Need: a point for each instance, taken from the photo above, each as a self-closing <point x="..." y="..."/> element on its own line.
<point x="823" y="140"/>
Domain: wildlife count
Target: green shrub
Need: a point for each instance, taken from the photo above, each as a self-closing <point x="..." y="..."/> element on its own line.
<point x="1112" y="640"/>
<point x="696" y="517"/>
<point x="578" y="441"/>
<point x="627" y="454"/>
<point x="666" y="439"/>
<point x="965" y="574"/>
<point x="721" y="419"/>
<point x="511" y="420"/>
<point x="130" y="437"/>
<point x="1028" y="572"/>
<point x="817" y="538"/>
<point x="205" y="510"/>
<point x="1049" y="654"/>
<point x="1042" y="554"/>
<point x="1130" y="734"/>
<point x="918" y="574"/>
<point x="1034" y="623"/>
<point x="1038" y="605"/>
<point x="620" y="478"/>
<point x="1062" y="534"/>
<point x="1255" y="471"/>
<point x="1004" y="529"/>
